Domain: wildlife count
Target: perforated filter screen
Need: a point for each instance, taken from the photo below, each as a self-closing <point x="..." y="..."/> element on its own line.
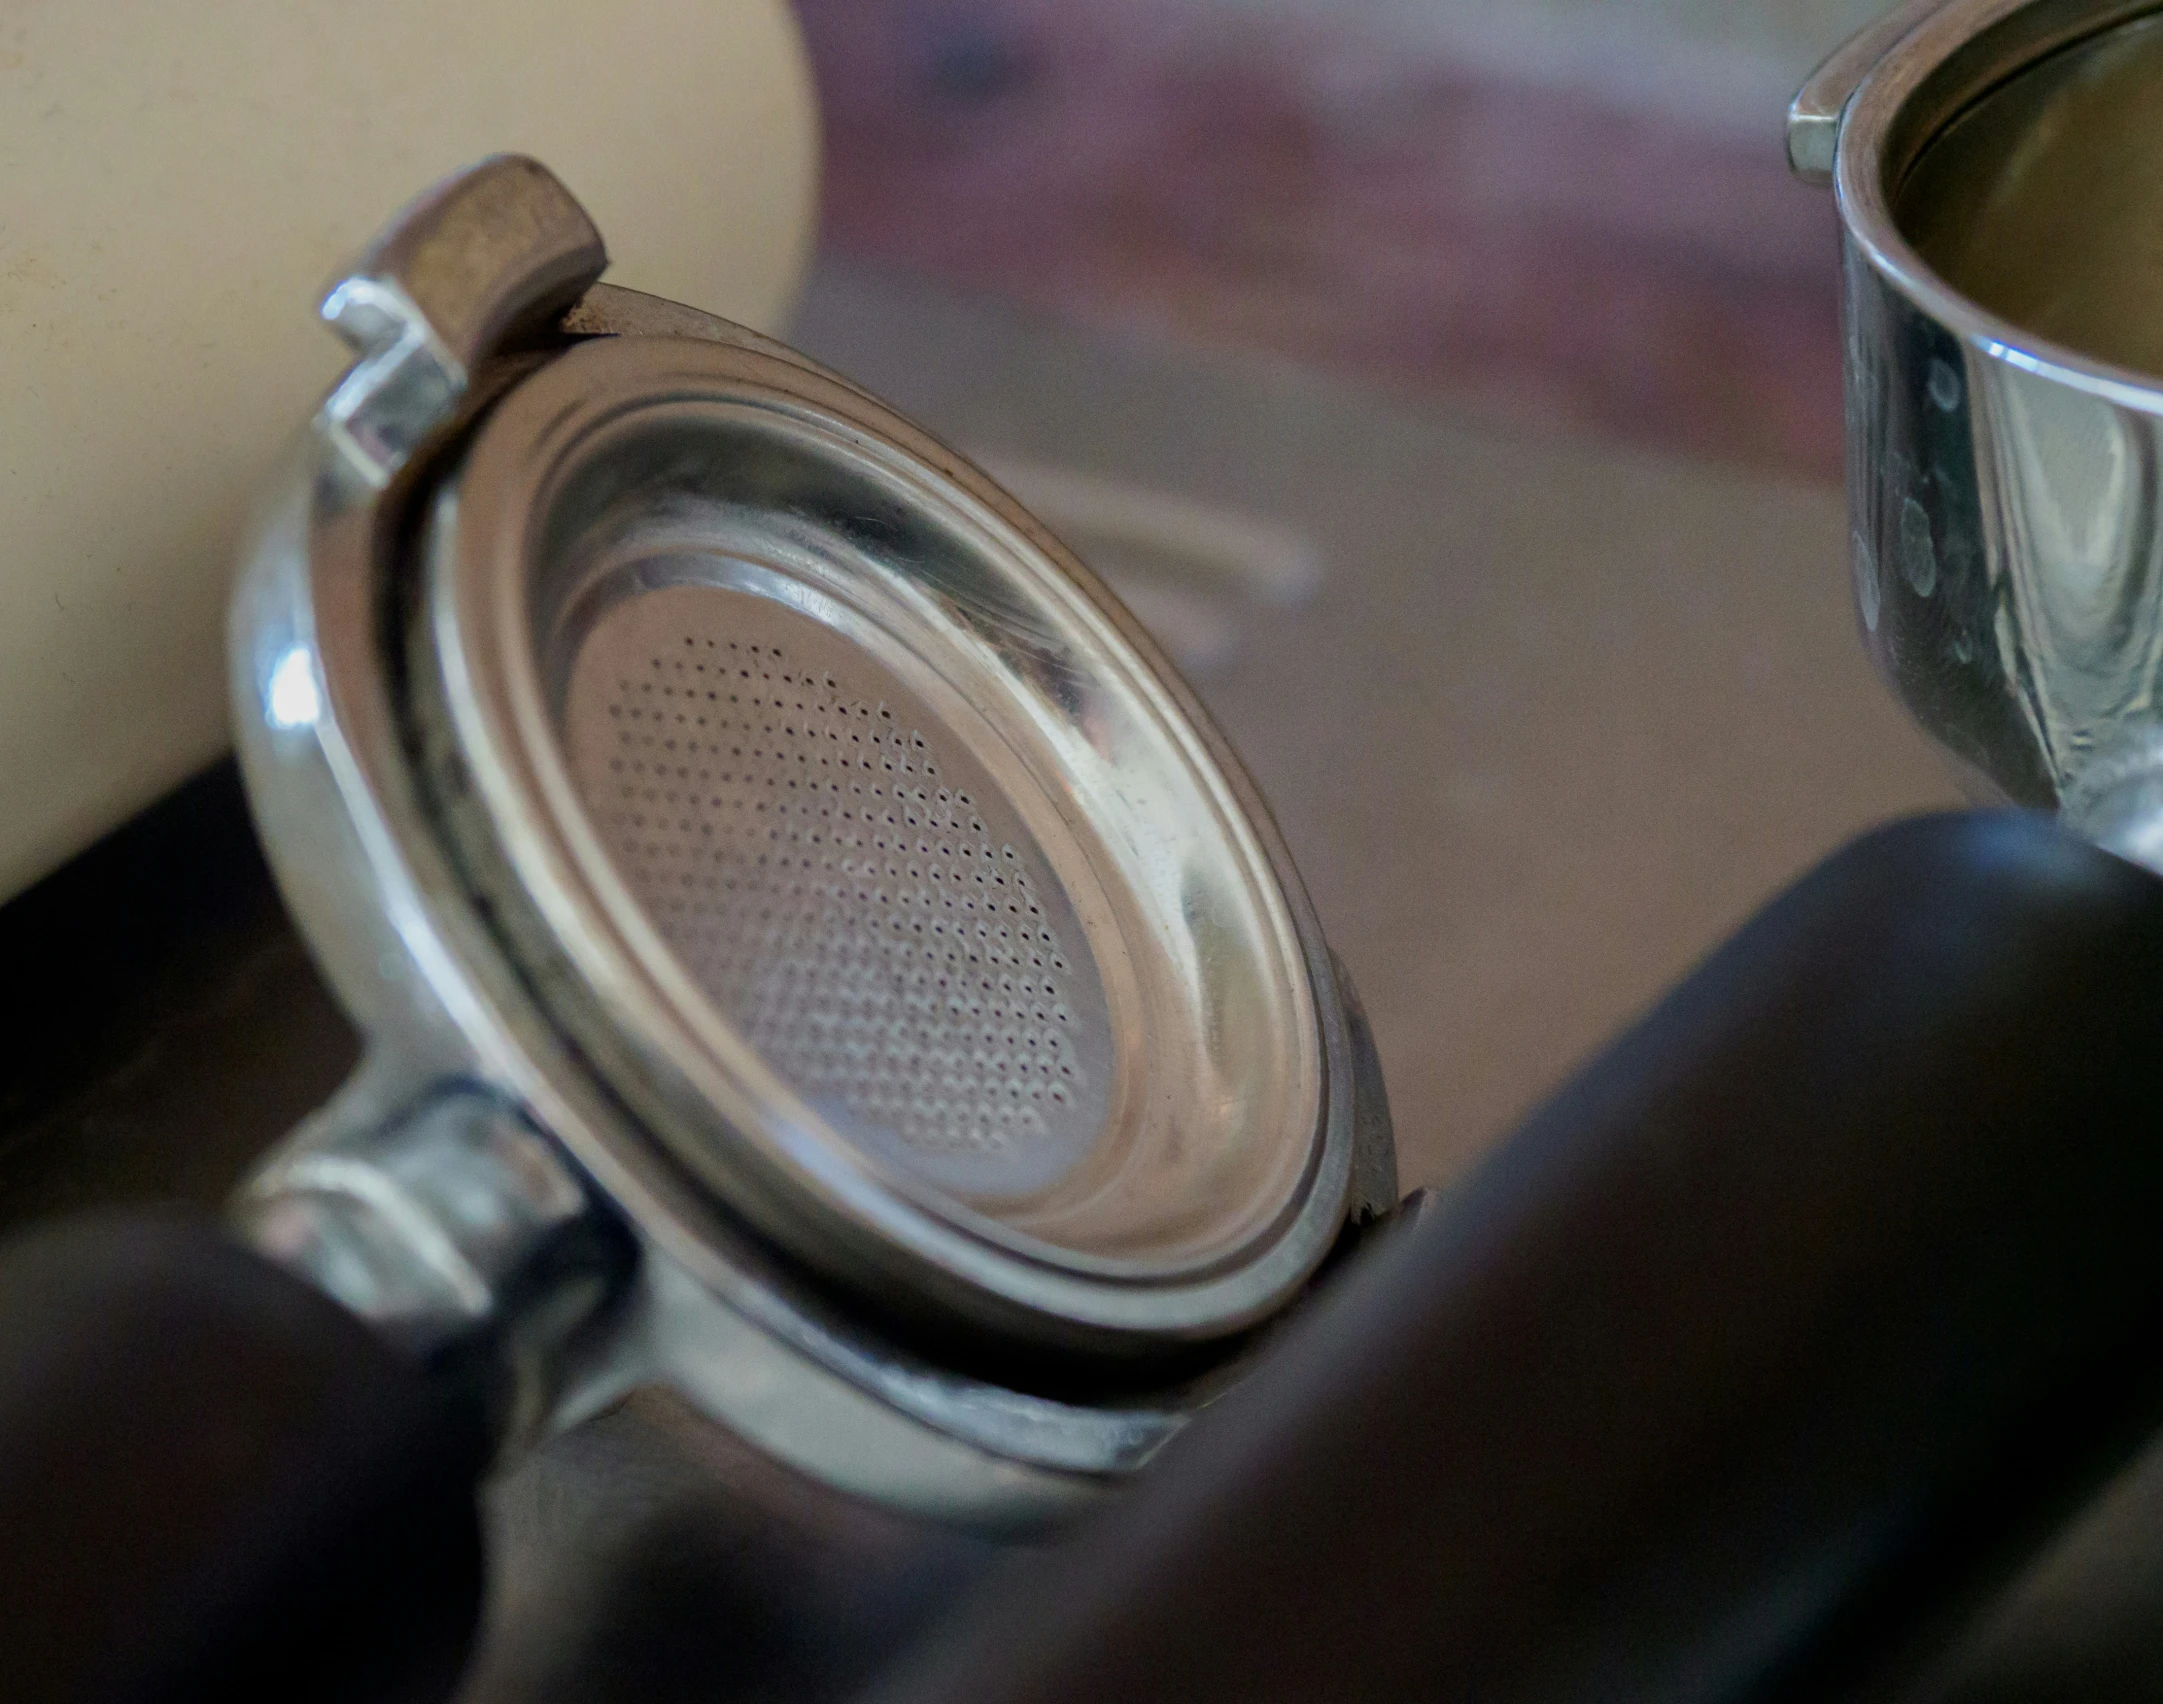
<point x="846" y="883"/>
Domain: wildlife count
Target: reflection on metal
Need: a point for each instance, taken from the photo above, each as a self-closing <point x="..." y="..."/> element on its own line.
<point x="2000" y="173"/>
<point x="290" y="699"/>
<point x="1189" y="570"/>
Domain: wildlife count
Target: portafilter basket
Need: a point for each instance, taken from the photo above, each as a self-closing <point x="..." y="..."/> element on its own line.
<point x="813" y="950"/>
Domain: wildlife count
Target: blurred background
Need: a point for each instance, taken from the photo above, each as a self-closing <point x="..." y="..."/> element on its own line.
<point x="1574" y="211"/>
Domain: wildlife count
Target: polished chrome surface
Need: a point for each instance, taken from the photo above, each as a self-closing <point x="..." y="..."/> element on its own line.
<point x="388" y="1202"/>
<point x="1193" y="1172"/>
<point x="2003" y="439"/>
<point x="475" y="265"/>
<point x="455" y="1229"/>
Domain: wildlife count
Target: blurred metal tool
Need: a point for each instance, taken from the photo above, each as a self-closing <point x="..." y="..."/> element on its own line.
<point x="1999" y="168"/>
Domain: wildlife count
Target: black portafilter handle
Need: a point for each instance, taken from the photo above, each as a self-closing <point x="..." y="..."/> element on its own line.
<point x="1740" y="1373"/>
<point x="217" y="1484"/>
<point x="1745" y="1371"/>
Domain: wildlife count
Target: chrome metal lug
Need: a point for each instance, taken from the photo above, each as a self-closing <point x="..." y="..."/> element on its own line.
<point x="484" y="259"/>
<point x="457" y="1231"/>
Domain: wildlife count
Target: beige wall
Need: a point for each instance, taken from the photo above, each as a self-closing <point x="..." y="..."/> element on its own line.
<point x="177" y="197"/>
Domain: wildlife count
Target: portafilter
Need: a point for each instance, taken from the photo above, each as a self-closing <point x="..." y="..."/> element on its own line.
<point x="813" y="951"/>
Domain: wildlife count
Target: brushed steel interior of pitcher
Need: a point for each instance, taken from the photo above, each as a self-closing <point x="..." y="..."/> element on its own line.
<point x="2043" y="201"/>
